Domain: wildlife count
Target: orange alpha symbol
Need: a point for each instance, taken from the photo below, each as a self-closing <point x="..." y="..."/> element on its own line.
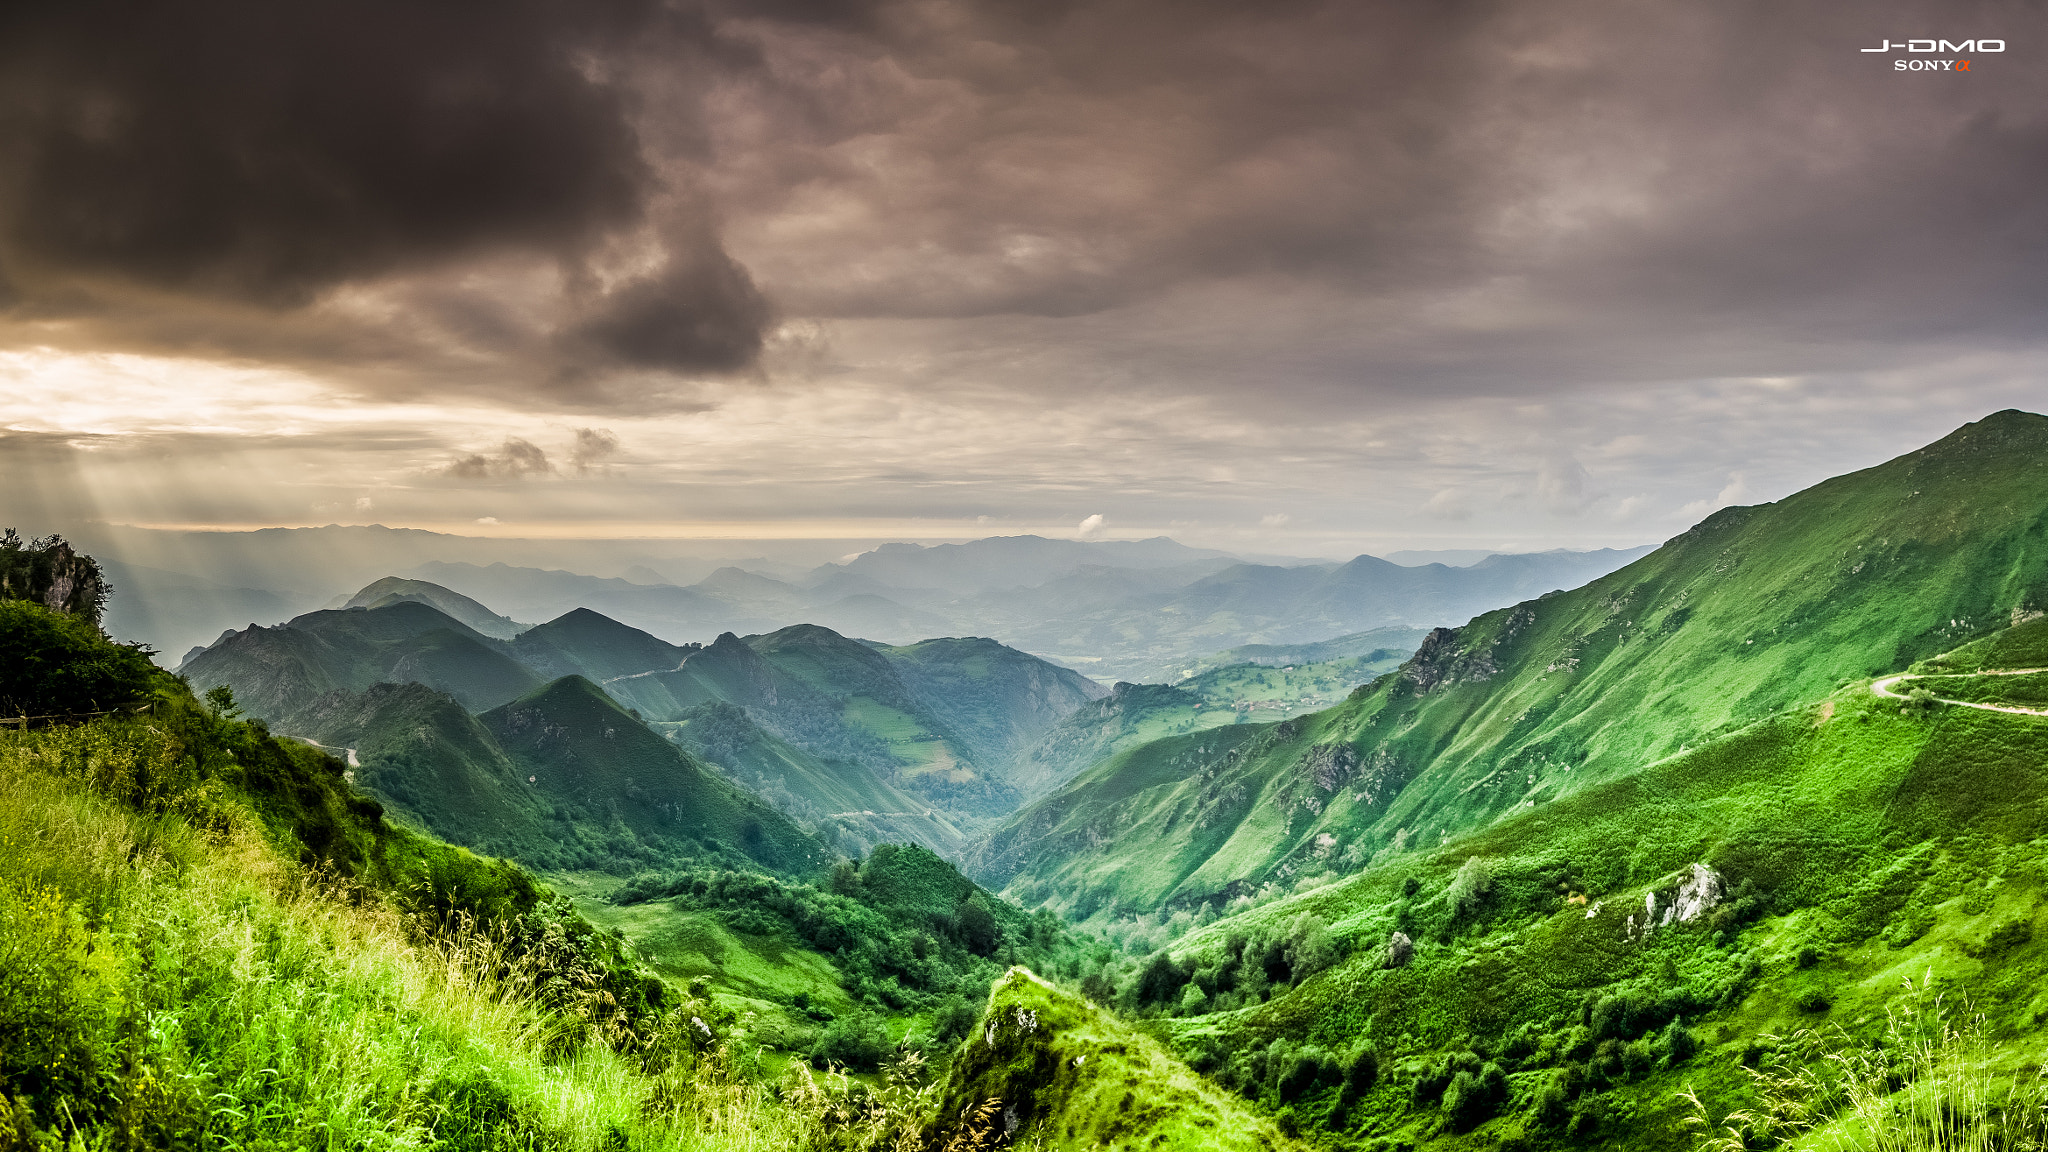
<point x="1962" y="65"/>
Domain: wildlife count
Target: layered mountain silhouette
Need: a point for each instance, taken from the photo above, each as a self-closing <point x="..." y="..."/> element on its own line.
<point x="879" y="742"/>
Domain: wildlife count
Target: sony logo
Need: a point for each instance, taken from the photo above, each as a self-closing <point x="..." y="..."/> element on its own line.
<point x="1942" y="46"/>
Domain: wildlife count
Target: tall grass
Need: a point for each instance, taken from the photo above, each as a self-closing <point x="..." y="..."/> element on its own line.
<point x="1926" y="1085"/>
<point x="170" y="979"/>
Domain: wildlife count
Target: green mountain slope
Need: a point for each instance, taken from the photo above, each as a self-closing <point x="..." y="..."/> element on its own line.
<point x="429" y="760"/>
<point x="585" y="643"/>
<point x="1131" y="715"/>
<point x="1135" y="714"/>
<point x="939" y="720"/>
<point x="844" y="801"/>
<point x="276" y="671"/>
<point x="611" y="779"/>
<point x="1602" y="952"/>
<point x="1065" y="1074"/>
<point x="998" y="699"/>
<point x="1377" y="644"/>
<point x="1750" y="611"/>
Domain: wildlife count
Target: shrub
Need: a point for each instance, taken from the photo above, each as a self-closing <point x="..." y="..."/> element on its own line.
<point x="1679" y="1044"/>
<point x="57" y="664"/>
<point x="1361" y="1071"/>
<point x="1469" y="888"/>
<point x="857" y="1040"/>
<point x="953" y="1020"/>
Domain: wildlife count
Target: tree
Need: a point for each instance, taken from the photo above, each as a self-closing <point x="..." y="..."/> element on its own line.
<point x="55" y="664"/>
<point x="1309" y="947"/>
<point x="1361" y="1070"/>
<point x="977" y="928"/>
<point x="1471" y="885"/>
<point x="857" y="1040"/>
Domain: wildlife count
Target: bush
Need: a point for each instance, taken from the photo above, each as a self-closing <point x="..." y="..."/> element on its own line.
<point x="1679" y="1044"/>
<point x="1303" y="1071"/>
<point x="53" y="664"/>
<point x="857" y="1040"/>
<point x="953" y="1020"/>
<point x="1361" y="1071"/>
<point x="1469" y="888"/>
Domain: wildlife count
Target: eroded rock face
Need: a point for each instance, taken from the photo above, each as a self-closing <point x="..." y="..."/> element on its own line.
<point x="1699" y="894"/>
<point x="1699" y="891"/>
<point x="1400" y="950"/>
<point x="51" y="573"/>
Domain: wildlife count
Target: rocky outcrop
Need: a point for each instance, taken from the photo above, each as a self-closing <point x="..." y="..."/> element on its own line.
<point x="1442" y="662"/>
<point x="51" y="573"/>
<point x="1694" y="893"/>
<point x="1400" y="950"/>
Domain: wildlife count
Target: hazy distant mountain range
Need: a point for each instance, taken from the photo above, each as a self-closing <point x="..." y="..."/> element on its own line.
<point x="1137" y="610"/>
<point x="1125" y="609"/>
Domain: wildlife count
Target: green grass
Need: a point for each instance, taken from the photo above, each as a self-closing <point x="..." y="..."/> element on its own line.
<point x="1862" y="845"/>
<point x="207" y="940"/>
<point x="844" y="801"/>
<point x="1065" y="1074"/>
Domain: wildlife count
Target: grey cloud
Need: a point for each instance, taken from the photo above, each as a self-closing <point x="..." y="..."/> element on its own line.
<point x="514" y="460"/>
<point x="1399" y="197"/>
<point x="593" y="447"/>
<point x="601" y="206"/>
<point x="226" y="167"/>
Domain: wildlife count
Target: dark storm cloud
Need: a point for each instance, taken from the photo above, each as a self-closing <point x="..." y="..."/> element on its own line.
<point x="260" y="155"/>
<point x="1493" y="195"/>
<point x="573" y="204"/>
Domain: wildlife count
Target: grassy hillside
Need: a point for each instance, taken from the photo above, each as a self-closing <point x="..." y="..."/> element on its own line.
<point x="844" y="802"/>
<point x="1055" y="1071"/>
<point x="627" y="797"/>
<point x="1377" y="644"/>
<point x="894" y="952"/>
<point x="208" y="939"/>
<point x="997" y="699"/>
<point x="1560" y="990"/>
<point x="938" y="720"/>
<point x="1751" y="611"/>
<point x="431" y="762"/>
<point x="1137" y="714"/>
<point x="586" y="643"/>
<point x="1290" y="689"/>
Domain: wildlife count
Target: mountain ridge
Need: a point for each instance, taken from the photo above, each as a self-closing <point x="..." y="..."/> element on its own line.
<point x="1528" y="703"/>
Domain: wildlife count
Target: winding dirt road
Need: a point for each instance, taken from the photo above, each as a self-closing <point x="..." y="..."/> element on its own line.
<point x="1883" y="687"/>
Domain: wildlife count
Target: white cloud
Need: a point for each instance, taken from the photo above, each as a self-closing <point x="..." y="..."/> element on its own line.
<point x="1091" y="527"/>
<point x="1733" y="492"/>
<point x="487" y="519"/>
<point x="1448" y="504"/>
<point x="1275" y="520"/>
<point x="362" y="503"/>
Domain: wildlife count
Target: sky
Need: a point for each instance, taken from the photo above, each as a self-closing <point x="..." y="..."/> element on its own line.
<point x="1289" y="277"/>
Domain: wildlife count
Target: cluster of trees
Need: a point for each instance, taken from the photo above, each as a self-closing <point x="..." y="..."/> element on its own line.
<point x="54" y="661"/>
<point x="1292" y="1078"/>
<point x="1254" y="966"/>
<point x="906" y="931"/>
